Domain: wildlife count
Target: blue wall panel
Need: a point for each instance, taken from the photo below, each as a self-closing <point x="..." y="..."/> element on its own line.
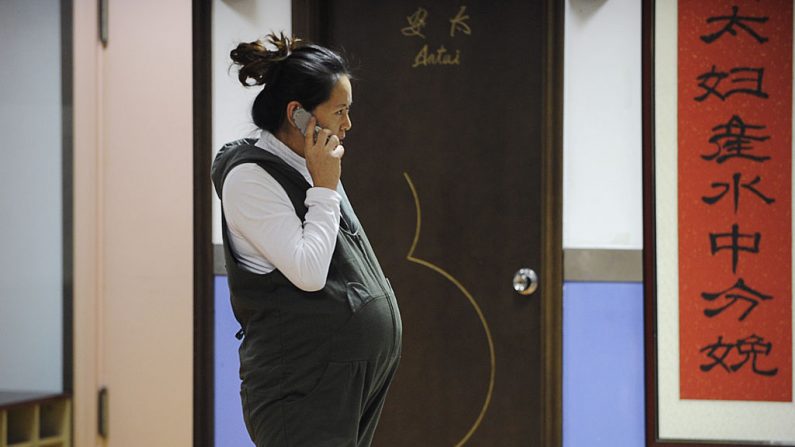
<point x="603" y="403"/>
<point x="229" y="427"/>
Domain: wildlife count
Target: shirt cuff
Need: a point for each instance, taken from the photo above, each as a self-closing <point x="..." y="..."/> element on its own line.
<point x="324" y="195"/>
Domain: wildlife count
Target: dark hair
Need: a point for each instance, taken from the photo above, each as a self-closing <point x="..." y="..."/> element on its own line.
<point x="294" y="71"/>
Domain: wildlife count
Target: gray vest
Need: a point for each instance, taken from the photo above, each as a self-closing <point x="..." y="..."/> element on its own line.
<point x="292" y="328"/>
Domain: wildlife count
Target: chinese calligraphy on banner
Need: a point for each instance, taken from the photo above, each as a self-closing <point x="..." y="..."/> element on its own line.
<point x="734" y="199"/>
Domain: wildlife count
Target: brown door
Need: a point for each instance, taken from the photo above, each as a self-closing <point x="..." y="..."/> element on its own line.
<point x="445" y="169"/>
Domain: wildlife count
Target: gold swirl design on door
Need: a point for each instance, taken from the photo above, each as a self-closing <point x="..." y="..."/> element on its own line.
<point x="492" y="359"/>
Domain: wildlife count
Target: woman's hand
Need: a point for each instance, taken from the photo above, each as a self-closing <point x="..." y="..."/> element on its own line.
<point x="323" y="156"/>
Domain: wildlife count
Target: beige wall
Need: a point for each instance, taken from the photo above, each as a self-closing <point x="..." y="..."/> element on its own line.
<point x="86" y="222"/>
<point x="133" y="223"/>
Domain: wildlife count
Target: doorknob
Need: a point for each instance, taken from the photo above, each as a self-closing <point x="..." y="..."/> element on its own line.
<point x="525" y="281"/>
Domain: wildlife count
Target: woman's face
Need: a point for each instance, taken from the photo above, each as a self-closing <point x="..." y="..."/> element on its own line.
<point x="334" y="114"/>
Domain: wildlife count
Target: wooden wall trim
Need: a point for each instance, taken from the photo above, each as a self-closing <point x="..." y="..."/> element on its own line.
<point x="67" y="191"/>
<point x="602" y="265"/>
<point x="649" y="254"/>
<point x="203" y="290"/>
<point x="552" y="231"/>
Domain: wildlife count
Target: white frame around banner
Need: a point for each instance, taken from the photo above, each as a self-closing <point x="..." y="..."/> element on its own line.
<point x="673" y="421"/>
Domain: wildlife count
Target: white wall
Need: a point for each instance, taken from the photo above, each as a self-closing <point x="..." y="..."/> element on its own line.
<point x="31" y="244"/>
<point x="602" y="168"/>
<point x="236" y="21"/>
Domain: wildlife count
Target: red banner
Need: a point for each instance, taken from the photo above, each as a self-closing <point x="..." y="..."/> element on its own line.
<point x="734" y="199"/>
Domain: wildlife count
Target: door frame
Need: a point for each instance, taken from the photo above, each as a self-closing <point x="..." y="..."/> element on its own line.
<point x="203" y="275"/>
<point x="306" y="23"/>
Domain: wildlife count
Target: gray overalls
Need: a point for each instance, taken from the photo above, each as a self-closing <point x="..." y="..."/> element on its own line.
<point x="315" y="366"/>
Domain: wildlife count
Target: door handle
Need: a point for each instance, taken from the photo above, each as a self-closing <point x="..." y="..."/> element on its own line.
<point x="525" y="281"/>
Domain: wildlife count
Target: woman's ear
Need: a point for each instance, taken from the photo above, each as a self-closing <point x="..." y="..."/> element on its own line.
<point x="292" y="106"/>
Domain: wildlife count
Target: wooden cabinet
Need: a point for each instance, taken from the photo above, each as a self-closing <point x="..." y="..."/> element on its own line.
<point x="37" y="424"/>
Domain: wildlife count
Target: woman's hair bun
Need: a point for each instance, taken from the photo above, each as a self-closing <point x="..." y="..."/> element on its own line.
<point x="257" y="62"/>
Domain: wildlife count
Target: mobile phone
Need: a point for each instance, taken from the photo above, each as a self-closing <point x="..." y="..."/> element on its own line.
<point x="301" y="118"/>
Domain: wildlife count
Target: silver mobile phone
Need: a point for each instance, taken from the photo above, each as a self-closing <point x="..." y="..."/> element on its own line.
<point x="301" y="118"/>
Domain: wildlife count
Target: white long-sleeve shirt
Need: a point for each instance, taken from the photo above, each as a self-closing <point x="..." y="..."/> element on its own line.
<point x="264" y="231"/>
